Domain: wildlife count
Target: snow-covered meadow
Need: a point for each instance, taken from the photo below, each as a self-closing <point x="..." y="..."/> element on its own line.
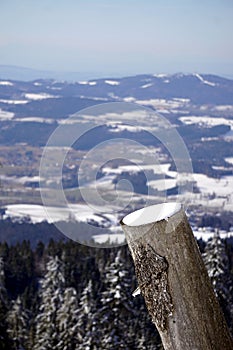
<point x="206" y="121"/>
<point x="84" y="214"/>
<point x="40" y="213"/>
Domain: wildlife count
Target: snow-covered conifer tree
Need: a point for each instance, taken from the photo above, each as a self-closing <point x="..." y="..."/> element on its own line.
<point x="18" y="322"/>
<point x="116" y="311"/>
<point x="215" y="258"/>
<point x="52" y="288"/>
<point x="217" y="264"/>
<point x="67" y="320"/>
<point x="88" y="338"/>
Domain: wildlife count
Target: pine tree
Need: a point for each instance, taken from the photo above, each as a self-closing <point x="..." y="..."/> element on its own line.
<point x="217" y="264"/>
<point x="52" y="288"/>
<point x="67" y="320"/>
<point x="87" y="325"/>
<point x="116" y="310"/>
<point x="18" y="325"/>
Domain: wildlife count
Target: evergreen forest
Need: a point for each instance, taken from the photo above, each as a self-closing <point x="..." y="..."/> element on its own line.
<point x="67" y="296"/>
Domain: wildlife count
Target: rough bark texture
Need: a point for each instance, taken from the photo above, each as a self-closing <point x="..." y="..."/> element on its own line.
<point x="153" y="281"/>
<point x="176" y="287"/>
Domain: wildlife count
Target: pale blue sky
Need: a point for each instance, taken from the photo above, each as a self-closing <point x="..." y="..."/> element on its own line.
<point x="118" y="36"/>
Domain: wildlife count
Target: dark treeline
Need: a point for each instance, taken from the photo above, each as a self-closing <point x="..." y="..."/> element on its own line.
<point x="64" y="295"/>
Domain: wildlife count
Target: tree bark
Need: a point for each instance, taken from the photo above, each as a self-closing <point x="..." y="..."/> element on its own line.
<point x="175" y="284"/>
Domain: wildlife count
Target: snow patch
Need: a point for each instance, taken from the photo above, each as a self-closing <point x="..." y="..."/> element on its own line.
<point x="146" y="86"/>
<point x="214" y="193"/>
<point x="83" y="82"/>
<point x="156" y="168"/>
<point x="112" y="82"/>
<point x="152" y="214"/>
<point x="129" y="99"/>
<point x="206" y="121"/>
<point x="25" y="179"/>
<point x="122" y="127"/>
<point x="117" y="238"/>
<point x="205" y="234"/>
<point x="91" y="83"/>
<point x="204" y="81"/>
<point x="41" y="96"/>
<point x="6" y="83"/>
<point x="229" y="160"/>
<point x="35" y="120"/>
<point x="160" y="75"/>
<point x="6" y="115"/>
<point x="15" y="102"/>
<point x="39" y="213"/>
<point x="162" y="185"/>
<point x="183" y="100"/>
<point x="162" y="104"/>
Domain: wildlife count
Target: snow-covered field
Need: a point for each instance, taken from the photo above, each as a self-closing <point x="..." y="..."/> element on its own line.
<point x="6" y="83"/>
<point x="90" y="83"/>
<point x="213" y="192"/>
<point x="205" y="81"/>
<point x="206" y="121"/>
<point x="112" y="82"/>
<point x="229" y="160"/>
<point x="41" y="96"/>
<point x="156" y="168"/>
<point x="205" y="234"/>
<point x="83" y="213"/>
<point x="163" y="104"/>
<point x="6" y="115"/>
<point x="115" y="238"/>
<point x="14" y="102"/>
<point x="39" y="213"/>
<point x="35" y="120"/>
<point x="162" y="185"/>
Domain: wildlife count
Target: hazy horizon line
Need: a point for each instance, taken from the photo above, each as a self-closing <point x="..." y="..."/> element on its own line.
<point x="87" y="74"/>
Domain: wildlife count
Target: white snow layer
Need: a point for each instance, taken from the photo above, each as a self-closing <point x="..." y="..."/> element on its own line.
<point x="14" y="102"/>
<point x="111" y="82"/>
<point x="163" y="184"/>
<point x="91" y="83"/>
<point x="151" y="214"/>
<point x="39" y="213"/>
<point x="161" y="75"/>
<point x="6" y="115"/>
<point x="204" y="234"/>
<point x="146" y="86"/>
<point x="6" y="83"/>
<point x="41" y="96"/>
<point x="229" y="160"/>
<point x="206" y="121"/>
<point x="117" y="238"/>
<point x="204" y="81"/>
<point x="35" y="120"/>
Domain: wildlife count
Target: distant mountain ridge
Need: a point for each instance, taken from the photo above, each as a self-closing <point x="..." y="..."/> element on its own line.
<point x="197" y="88"/>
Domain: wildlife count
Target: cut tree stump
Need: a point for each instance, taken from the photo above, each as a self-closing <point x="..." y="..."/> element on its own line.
<point x="173" y="279"/>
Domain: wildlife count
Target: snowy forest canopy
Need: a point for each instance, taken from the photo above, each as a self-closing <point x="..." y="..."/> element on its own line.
<point x="69" y="296"/>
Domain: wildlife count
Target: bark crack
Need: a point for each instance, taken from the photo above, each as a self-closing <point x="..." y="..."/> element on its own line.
<point x="152" y="274"/>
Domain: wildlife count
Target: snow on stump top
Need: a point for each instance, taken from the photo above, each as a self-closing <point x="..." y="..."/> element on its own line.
<point x="173" y="279"/>
<point x="152" y="214"/>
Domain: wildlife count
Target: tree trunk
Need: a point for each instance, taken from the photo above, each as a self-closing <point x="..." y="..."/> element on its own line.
<point x="173" y="279"/>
